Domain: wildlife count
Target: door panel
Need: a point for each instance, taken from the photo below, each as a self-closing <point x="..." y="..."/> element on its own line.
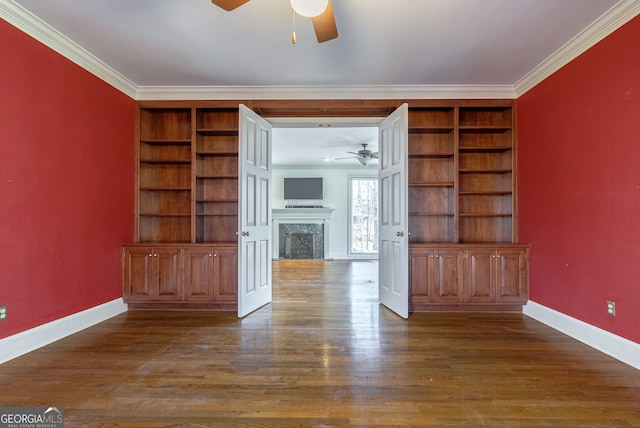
<point x="481" y="275"/>
<point x="394" y="246"/>
<point x="254" y="221"/>
<point x="512" y="276"/>
<point x="447" y="267"/>
<point x="198" y="276"/>
<point x="138" y="273"/>
<point x="419" y="277"/>
<point x="250" y="200"/>
<point x="226" y="271"/>
<point x="168" y="273"/>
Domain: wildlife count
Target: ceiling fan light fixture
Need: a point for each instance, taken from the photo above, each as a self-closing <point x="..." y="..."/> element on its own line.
<point x="363" y="161"/>
<point x="309" y="8"/>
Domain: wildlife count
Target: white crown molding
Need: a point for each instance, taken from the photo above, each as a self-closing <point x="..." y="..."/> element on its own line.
<point x="24" y="342"/>
<point x="324" y="92"/>
<point x="614" y="18"/>
<point x="615" y="346"/>
<point x="30" y="24"/>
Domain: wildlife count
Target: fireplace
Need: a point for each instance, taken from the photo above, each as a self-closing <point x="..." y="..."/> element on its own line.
<point x="301" y="233"/>
<point x="301" y="241"/>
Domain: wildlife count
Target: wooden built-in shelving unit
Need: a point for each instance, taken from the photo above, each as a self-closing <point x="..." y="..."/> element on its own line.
<point x="462" y="200"/>
<point x="462" y="208"/>
<point x="185" y="255"/>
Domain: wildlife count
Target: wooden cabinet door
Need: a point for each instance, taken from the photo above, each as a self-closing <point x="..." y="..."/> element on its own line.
<point x="480" y="276"/>
<point x="446" y="273"/>
<point x="137" y="274"/>
<point x="225" y="270"/>
<point x="199" y="274"/>
<point x="167" y="274"/>
<point x="511" y="275"/>
<point x="420" y="284"/>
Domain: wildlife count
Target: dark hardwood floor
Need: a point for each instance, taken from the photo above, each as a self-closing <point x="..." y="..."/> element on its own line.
<point x="324" y="354"/>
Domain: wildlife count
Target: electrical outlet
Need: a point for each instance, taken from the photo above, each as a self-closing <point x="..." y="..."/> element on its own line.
<point x="611" y="308"/>
<point x="3" y="313"/>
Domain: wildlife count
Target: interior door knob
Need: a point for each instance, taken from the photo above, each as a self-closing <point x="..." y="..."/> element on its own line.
<point x="245" y="233"/>
<point x="399" y="233"/>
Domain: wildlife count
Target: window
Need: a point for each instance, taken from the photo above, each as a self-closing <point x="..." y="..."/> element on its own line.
<point x="363" y="208"/>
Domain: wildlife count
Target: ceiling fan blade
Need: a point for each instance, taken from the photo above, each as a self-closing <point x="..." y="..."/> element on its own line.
<point x="229" y="5"/>
<point x="374" y="155"/>
<point x="325" y="25"/>
<point x="348" y="157"/>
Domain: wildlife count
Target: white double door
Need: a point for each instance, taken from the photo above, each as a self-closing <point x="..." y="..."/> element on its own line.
<point x="254" y="212"/>
<point x="393" y="273"/>
<point x="255" y="223"/>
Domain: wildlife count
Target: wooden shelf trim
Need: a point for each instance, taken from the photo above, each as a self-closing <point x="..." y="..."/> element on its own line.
<point x="165" y="189"/>
<point x="223" y="132"/>
<point x="484" y="215"/>
<point x="431" y="155"/>
<point x="216" y="200"/>
<point x="430" y="129"/>
<point x="213" y="177"/>
<point x="166" y="142"/>
<point x="423" y="214"/>
<point x="485" y="128"/>
<point x="165" y="214"/>
<point x="166" y="161"/>
<point x="485" y="149"/>
<point x="216" y="154"/>
<point x="432" y="184"/>
<point x="486" y="193"/>
<point x="485" y="171"/>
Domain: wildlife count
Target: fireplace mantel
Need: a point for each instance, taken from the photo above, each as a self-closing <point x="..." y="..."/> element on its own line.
<point x="314" y="214"/>
<point x="301" y="216"/>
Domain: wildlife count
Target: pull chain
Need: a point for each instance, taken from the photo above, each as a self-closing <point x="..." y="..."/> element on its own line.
<point x="293" y="33"/>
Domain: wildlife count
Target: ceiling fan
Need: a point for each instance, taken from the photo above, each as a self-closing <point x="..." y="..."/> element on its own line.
<point x="363" y="156"/>
<point x="320" y="12"/>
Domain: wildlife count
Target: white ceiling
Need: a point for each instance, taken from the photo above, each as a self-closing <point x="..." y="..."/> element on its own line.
<point x="191" y="49"/>
<point x="400" y="42"/>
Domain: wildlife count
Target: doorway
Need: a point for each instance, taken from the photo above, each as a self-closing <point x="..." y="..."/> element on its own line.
<point x="321" y="151"/>
<point x="320" y="148"/>
<point x="393" y="266"/>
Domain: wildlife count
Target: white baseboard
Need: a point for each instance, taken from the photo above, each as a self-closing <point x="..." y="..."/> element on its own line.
<point x="21" y="343"/>
<point x="615" y="346"/>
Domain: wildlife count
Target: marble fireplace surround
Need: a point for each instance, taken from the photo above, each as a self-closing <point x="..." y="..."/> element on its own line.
<point x="302" y="216"/>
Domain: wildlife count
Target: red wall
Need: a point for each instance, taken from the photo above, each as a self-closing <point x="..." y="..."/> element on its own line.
<point x="66" y="181"/>
<point x="579" y="184"/>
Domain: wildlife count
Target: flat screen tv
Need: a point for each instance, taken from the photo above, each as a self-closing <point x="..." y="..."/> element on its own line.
<point x="303" y="188"/>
